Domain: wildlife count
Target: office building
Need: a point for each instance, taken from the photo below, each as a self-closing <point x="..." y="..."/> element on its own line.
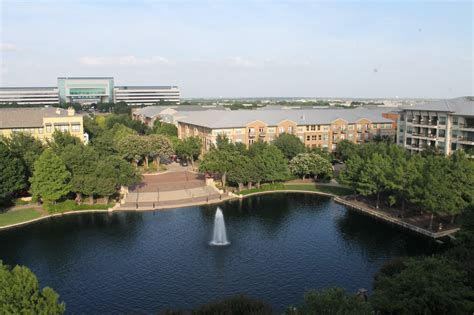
<point x="88" y="91"/>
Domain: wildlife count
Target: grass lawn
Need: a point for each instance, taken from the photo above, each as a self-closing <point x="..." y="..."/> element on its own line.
<point x="70" y="205"/>
<point x="17" y="216"/>
<point x="339" y="191"/>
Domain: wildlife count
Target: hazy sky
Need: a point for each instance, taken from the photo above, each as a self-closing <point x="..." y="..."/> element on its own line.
<point x="245" y="48"/>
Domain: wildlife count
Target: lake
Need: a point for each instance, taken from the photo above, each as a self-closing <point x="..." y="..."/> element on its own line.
<point x="281" y="245"/>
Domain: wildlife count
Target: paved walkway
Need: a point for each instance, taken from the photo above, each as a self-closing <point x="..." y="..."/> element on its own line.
<point x="170" y="189"/>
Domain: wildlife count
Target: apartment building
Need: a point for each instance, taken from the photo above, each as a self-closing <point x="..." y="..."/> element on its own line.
<point x="446" y="124"/>
<point x="323" y="128"/>
<point x="41" y="122"/>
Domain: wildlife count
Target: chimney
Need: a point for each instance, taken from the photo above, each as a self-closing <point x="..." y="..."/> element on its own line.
<point x="70" y="111"/>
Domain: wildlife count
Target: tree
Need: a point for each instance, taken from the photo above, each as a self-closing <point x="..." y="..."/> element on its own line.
<point x="218" y="161"/>
<point x="290" y="145"/>
<point x="20" y="293"/>
<point x="428" y="285"/>
<point x="189" y="149"/>
<point x="160" y="148"/>
<point x="81" y="161"/>
<point x="50" y="180"/>
<point x="120" y="131"/>
<point x="270" y="165"/>
<point x="345" y="149"/>
<point x="333" y="301"/>
<point x="12" y="174"/>
<point x="310" y="164"/>
<point x="134" y="148"/>
<point x="61" y="140"/>
<point x="352" y="172"/>
<point x="25" y="147"/>
<point x="373" y="178"/>
<point x="165" y="129"/>
<point x="242" y="171"/>
<point x="106" y="180"/>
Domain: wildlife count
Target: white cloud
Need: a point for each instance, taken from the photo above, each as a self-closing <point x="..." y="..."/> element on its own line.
<point x="124" y="61"/>
<point x="8" y="47"/>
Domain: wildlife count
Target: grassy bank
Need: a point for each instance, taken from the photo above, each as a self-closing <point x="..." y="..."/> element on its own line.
<point x="70" y="205"/>
<point x="17" y="216"/>
<point x="339" y="191"/>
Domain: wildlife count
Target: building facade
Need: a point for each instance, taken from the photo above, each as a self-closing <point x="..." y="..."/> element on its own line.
<point x="90" y="90"/>
<point x="447" y="125"/>
<point x="30" y="95"/>
<point x="41" y="122"/>
<point x="323" y="128"/>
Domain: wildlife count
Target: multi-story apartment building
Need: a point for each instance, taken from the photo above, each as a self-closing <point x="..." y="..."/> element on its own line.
<point x="90" y="90"/>
<point x="447" y="125"/>
<point x="41" y="122"/>
<point x="323" y="128"/>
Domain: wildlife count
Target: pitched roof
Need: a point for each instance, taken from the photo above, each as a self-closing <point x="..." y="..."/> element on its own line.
<point x="230" y="119"/>
<point x="152" y="111"/>
<point x="28" y="117"/>
<point x="458" y="106"/>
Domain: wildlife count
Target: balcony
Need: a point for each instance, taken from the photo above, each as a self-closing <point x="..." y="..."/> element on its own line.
<point x="468" y="127"/>
<point x="464" y="140"/>
<point x="251" y="134"/>
<point x="262" y="134"/>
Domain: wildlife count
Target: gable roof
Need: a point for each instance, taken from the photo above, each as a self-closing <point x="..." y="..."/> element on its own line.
<point x="28" y="117"/>
<point x="234" y="119"/>
<point x="458" y="106"/>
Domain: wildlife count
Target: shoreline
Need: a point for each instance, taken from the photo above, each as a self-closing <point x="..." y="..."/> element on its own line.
<point x="338" y="199"/>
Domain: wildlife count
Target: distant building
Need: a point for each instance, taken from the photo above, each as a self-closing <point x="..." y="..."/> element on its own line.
<point x="169" y="114"/>
<point x="446" y="124"/>
<point x="41" y="122"/>
<point x="323" y="128"/>
<point x="90" y="90"/>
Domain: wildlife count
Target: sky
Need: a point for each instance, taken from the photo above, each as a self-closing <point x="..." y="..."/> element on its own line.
<point x="244" y="48"/>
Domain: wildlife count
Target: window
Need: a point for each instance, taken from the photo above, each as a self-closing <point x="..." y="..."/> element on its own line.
<point x="271" y="130"/>
<point x="313" y="127"/>
<point x="76" y="127"/>
<point x="455" y="120"/>
<point x="40" y="130"/>
<point x="374" y="126"/>
<point x="325" y="137"/>
<point x="48" y="128"/>
<point x="260" y="129"/>
<point x="313" y="137"/>
<point x="441" y="133"/>
<point x="442" y="120"/>
<point x="319" y="127"/>
<point x="319" y="137"/>
<point x="290" y="129"/>
<point x="351" y="127"/>
<point x="281" y="130"/>
<point x="308" y="138"/>
<point x="238" y="131"/>
<point x="251" y="130"/>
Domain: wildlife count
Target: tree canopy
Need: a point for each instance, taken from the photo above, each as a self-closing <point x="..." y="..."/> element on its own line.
<point x="20" y="293"/>
<point x="290" y="145"/>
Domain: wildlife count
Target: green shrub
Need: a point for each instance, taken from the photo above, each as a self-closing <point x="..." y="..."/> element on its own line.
<point x="70" y="205"/>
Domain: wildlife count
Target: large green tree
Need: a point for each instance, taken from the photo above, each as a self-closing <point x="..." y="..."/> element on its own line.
<point x="25" y="147"/>
<point x="165" y="129"/>
<point x="290" y="145"/>
<point x="61" y="140"/>
<point x="134" y="148"/>
<point x="218" y="162"/>
<point x="12" y="174"/>
<point x="51" y="179"/>
<point x="270" y="165"/>
<point x="305" y="164"/>
<point x="189" y="149"/>
<point x="20" y="293"/>
<point x="81" y="161"/>
<point x="160" y="148"/>
<point x="428" y="285"/>
<point x="333" y="301"/>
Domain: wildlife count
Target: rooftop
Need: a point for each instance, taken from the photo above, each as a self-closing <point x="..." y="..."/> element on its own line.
<point x="459" y="106"/>
<point x="230" y="119"/>
<point x="28" y="117"/>
<point x="152" y="111"/>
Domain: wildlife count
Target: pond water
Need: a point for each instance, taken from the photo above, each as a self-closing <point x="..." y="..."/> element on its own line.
<point x="281" y="245"/>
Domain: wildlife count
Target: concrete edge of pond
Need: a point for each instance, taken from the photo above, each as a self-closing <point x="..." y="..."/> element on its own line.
<point x="49" y="216"/>
<point x="389" y="219"/>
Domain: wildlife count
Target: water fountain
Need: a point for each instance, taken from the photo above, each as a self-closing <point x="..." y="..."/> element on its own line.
<point x="219" y="237"/>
